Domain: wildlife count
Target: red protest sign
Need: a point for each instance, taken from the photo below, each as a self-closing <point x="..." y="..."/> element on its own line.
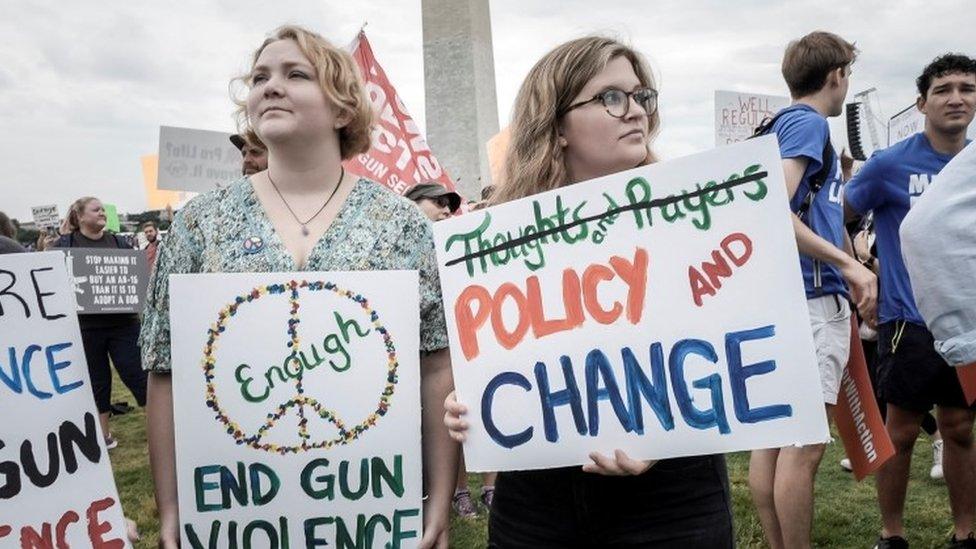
<point x="967" y="378"/>
<point x="857" y="416"/>
<point x="398" y="156"/>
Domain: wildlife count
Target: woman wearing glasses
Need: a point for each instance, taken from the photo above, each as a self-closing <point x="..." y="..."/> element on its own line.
<point x="588" y="109"/>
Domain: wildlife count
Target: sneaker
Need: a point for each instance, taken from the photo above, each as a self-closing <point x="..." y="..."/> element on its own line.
<point x="845" y="464"/>
<point x="936" y="472"/>
<point x="111" y="442"/>
<point x="487" y="495"/>
<point x="894" y="542"/>
<point x="462" y="504"/>
<point x="968" y="543"/>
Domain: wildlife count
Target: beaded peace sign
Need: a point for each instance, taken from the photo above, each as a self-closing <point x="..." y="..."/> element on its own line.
<point x="300" y="399"/>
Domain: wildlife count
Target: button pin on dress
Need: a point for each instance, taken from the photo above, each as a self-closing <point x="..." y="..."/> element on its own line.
<point x="253" y="245"/>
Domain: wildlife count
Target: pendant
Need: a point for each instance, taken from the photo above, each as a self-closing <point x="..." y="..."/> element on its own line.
<point x="304" y="230"/>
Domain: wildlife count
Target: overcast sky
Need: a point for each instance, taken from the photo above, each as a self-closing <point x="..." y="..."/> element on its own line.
<point x="84" y="86"/>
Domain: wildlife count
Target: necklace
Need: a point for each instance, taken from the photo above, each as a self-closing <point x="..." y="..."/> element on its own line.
<point x="305" y="223"/>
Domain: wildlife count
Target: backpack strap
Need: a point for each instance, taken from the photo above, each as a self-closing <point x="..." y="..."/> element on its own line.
<point x="818" y="179"/>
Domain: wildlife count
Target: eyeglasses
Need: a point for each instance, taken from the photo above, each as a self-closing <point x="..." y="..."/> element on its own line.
<point x="617" y="102"/>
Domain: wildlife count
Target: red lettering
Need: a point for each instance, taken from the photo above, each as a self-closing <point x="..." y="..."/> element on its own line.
<point x="98" y="529"/>
<point x="635" y="276"/>
<point x="508" y="339"/>
<point x="30" y="539"/>
<point x="541" y="326"/>
<point x="699" y="286"/>
<point x="592" y="276"/>
<point x="5" y="531"/>
<point x="61" y="530"/>
<point x="741" y="259"/>
<point x="468" y="321"/>
<point x="719" y="267"/>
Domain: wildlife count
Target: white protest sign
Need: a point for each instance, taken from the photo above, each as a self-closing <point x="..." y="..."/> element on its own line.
<point x="905" y="124"/>
<point x="738" y="114"/>
<point x="46" y="217"/>
<point x="56" y="487"/>
<point x="297" y="409"/>
<point x="196" y="160"/>
<point x="659" y="310"/>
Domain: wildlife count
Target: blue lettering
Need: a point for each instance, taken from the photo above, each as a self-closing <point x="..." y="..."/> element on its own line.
<point x="570" y="395"/>
<point x="488" y="398"/>
<point x="655" y="393"/>
<point x="738" y="374"/>
<point x="53" y="368"/>
<point x="597" y="366"/>
<point x="699" y="419"/>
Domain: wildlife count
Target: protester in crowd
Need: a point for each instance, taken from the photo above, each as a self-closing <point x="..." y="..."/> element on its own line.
<point x="105" y="336"/>
<point x="865" y="251"/>
<point x="817" y="70"/>
<point x="434" y="200"/>
<point x="939" y="248"/>
<point x="7" y="234"/>
<point x="151" y="232"/>
<point x="306" y="102"/>
<point x="254" y="153"/>
<point x="567" y="123"/>
<point x="912" y="376"/>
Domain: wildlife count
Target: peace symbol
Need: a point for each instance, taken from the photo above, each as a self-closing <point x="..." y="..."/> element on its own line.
<point x="303" y="402"/>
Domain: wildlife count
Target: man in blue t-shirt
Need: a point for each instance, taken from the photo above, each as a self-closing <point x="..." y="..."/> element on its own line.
<point x="817" y="69"/>
<point x="912" y="376"/>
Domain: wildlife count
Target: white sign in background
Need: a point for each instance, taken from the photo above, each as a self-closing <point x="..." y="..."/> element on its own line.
<point x="57" y="478"/>
<point x="46" y="217"/>
<point x="738" y="114"/>
<point x="196" y="160"/>
<point x="246" y="456"/>
<point x="548" y="338"/>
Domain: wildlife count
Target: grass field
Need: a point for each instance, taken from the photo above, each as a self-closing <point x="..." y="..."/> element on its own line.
<point x="846" y="511"/>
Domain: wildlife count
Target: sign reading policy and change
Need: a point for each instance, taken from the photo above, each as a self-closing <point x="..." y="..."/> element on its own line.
<point x="658" y="310"/>
<point x="297" y="409"/>
<point x="56" y="485"/>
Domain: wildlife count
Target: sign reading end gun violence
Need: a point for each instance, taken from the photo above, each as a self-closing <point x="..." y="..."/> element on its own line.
<point x="297" y="409"/>
<point x="56" y="485"/>
<point x="658" y="310"/>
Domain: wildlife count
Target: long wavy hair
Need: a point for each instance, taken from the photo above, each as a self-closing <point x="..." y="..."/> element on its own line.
<point x="534" y="162"/>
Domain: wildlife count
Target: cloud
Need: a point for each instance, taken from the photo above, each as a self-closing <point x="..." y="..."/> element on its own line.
<point x="84" y="86"/>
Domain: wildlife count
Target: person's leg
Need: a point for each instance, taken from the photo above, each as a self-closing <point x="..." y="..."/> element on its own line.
<point x="959" y="466"/>
<point x="95" y="341"/>
<point x="461" y="502"/>
<point x="488" y="488"/>
<point x="762" y="471"/>
<point x="123" y="347"/>
<point x="796" y="470"/>
<point x="892" y="478"/>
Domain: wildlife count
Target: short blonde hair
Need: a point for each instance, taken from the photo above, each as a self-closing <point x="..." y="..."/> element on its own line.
<point x="339" y="78"/>
<point x="534" y="162"/>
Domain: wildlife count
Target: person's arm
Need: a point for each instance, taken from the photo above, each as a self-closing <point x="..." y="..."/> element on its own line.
<point x="162" y="456"/>
<point x="862" y="282"/>
<point x="180" y="254"/>
<point x="440" y="452"/>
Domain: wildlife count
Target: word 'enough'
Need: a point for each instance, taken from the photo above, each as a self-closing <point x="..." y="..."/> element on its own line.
<point x="642" y="386"/>
<point x="334" y="351"/>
